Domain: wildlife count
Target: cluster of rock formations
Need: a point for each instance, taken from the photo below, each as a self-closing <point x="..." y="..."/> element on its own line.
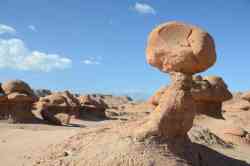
<point x="58" y="107"/>
<point x="161" y="137"/>
<point x="20" y="104"/>
<point x="16" y="103"/>
<point x="209" y="93"/>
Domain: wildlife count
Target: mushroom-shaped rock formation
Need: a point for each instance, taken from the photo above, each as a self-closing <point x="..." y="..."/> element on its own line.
<point x="209" y="93"/>
<point x="58" y="108"/>
<point x="20" y="98"/>
<point x="180" y="50"/>
<point x="155" y="99"/>
<point x="18" y="86"/>
<point x="93" y="105"/>
<point x="179" y="47"/>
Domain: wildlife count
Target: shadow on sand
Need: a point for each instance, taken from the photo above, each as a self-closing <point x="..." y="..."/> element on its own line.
<point x="200" y="155"/>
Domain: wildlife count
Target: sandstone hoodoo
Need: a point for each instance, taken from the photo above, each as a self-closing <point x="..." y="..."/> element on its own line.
<point x="58" y="107"/>
<point x="19" y="98"/>
<point x="92" y="105"/>
<point x="19" y="86"/>
<point x="209" y="93"/>
<point x="180" y="50"/>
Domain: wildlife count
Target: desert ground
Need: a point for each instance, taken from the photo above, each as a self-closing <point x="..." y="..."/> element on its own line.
<point x="31" y="144"/>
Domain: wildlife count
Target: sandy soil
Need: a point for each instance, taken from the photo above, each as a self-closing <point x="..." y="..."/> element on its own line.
<point x="20" y="142"/>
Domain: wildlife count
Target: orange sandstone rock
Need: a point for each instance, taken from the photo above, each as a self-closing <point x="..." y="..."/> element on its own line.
<point x="181" y="50"/>
<point x="180" y="47"/>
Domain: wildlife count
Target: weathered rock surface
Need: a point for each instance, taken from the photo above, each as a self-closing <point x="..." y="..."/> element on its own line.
<point x="155" y="99"/>
<point x="17" y="101"/>
<point x="17" y="86"/>
<point x="42" y="92"/>
<point x="181" y="50"/>
<point x="246" y="96"/>
<point x="209" y="94"/>
<point x="58" y="107"/>
<point x="237" y="104"/>
<point x="179" y="47"/>
<point x="4" y="111"/>
<point x="93" y="105"/>
<point x="174" y="115"/>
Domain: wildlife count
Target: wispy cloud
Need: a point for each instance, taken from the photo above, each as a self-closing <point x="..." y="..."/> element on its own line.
<point x="15" y="55"/>
<point x="6" y="29"/>
<point x="90" y="62"/>
<point x="143" y="8"/>
<point x="32" y="28"/>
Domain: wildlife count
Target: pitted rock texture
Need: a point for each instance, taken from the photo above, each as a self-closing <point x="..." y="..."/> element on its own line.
<point x="209" y="93"/>
<point x="92" y="104"/>
<point x="18" y="86"/>
<point x="180" y="50"/>
<point x="155" y="99"/>
<point x="174" y="115"/>
<point x="180" y="47"/>
<point x="58" y="108"/>
<point x="18" y="101"/>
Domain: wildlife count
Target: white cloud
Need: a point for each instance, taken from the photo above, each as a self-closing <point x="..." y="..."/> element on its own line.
<point x="6" y="29"/>
<point x="90" y="62"/>
<point x="32" y="28"/>
<point x="15" y="55"/>
<point x="144" y="8"/>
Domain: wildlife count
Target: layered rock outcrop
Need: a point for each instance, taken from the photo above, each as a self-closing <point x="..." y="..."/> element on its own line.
<point x="93" y="105"/>
<point x="58" y="107"/>
<point x="4" y="112"/>
<point x="209" y="93"/>
<point x="155" y="99"/>
<point x="17" y="101"/>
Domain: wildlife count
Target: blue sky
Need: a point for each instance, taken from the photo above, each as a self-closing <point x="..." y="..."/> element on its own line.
<point x="99" y="46"/>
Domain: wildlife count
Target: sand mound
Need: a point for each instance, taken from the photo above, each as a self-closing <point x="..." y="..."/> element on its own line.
<point x="110" y="146"/>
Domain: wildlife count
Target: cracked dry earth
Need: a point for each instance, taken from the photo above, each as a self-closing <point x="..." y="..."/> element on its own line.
<point x="108" y="142"/>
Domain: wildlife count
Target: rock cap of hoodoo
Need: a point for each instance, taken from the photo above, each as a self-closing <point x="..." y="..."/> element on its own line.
<point x="18" y="86"/>
<point x="180" y="47"/>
